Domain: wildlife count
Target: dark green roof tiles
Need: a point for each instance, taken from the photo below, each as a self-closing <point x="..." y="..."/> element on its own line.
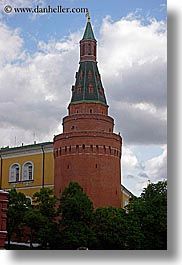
<point x="88" y="86"/>
<point x="88" y="34"/>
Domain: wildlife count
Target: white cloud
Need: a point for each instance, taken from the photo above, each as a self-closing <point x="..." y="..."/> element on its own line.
<point x="129" y="159"/>
<point x="156" y="168"/>
<point x="36" y="90"/>
<point x="137" y="174"/>
<point x="10" y="45"/>
<point x="140" y="123"/>
<point x="132" y="58"/>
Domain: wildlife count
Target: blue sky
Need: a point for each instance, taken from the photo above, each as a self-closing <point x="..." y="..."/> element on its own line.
<point x="60" y="25"/>
<point x="39" y="55"/>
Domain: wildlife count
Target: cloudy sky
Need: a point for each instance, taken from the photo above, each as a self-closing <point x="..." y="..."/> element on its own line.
<point x="39" y="55"/>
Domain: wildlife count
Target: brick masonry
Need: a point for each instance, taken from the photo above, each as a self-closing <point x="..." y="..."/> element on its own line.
<point x="89" y="152"/>
<point x="3" y="217"/>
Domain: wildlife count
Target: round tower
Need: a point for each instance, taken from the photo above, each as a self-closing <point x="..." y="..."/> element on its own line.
<point x="88" y="151"/>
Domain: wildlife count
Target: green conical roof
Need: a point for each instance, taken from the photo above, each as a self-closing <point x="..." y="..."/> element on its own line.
<point x="88" y="86"/>
<point x="88" y="34"/>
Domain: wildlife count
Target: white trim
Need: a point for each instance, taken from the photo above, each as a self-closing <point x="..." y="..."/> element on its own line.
<point x="20" y="154"/>
<point x="32" y="187"/>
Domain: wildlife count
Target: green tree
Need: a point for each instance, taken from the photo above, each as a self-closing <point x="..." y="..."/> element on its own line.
<point x="115" y="230"/>
<point x="41" y="219"/>
<point x="111" y="228"/>
<point x="34" y="221"/>
<point x="151" y="211"/>
<point x="45" y="201"/>
<point x="76" y="211"/>
<point x="18" y="205"/>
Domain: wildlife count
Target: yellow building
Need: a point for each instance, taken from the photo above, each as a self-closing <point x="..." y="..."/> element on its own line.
<point x="125" y="196"/>
<point x="29" y="168"/>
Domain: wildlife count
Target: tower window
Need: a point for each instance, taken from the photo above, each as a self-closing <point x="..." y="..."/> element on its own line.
<point x="91" y="110"/>
<point x="83" y="146"/>
<point x="89" y="49"/>
<point x="90" y="75"/>
<point x="90" y="88"/>
<point x="95" y="50"/>
<point x="104" y="149"/>
<point x="97" y="148"/>
<point x="79" y="89"/>
<point x="81" y="75"/>
<point x="96" y="165"/>
<point x="83" y="49"/>
<point x="101" y="92"/>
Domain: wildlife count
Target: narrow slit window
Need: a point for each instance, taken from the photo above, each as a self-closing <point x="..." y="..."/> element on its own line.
<point x="89" y="49"/>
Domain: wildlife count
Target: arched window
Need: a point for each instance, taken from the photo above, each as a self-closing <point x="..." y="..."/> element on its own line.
<point x="90" y="75"/>
<point x="90" y="88"/>
<point x="81" y="75"/>
<point x="14" y="174"/>
<point x="29" y="199"/>
<point x="27" y="171"/>
<point x="79" y="89"/>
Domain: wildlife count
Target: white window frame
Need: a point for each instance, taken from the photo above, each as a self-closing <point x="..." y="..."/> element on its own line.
<point x="29" y="198"/>
<point x="25" y="171"/>
<point x="12" y="175"/>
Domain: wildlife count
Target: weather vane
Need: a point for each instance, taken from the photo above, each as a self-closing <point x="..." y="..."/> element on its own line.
<point x="88" y="15"/>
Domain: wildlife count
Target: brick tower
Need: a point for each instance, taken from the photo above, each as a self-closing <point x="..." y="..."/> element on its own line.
<point x="88" y="151"/>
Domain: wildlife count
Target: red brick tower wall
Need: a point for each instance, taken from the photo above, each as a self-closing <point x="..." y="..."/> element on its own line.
<point x="3" y="217"/>
<point x="88" y="151"/>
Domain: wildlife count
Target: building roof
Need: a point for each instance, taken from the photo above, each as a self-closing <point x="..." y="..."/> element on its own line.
<point x="22" y="147"/>
<point x="88" y="34"/>
<point x="124" y="189"/>
<point x="88" y="86"/>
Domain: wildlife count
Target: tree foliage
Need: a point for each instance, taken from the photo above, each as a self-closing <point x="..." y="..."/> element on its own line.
<point x="141" y="225"/>
<point x="151" y="211"/>
<point x="77" y="213"/>
<point x="115" y="230"/>
<point x="75" y="206"/>
<point x="17" y="207"/>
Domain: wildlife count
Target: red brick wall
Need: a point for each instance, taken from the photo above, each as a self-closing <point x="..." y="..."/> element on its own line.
<point x="88" y="122"/>
<point x="86" y="108"/>
<point x="89" y="154"/>
<point x="3" y="217"/>
<point x="85" y="56"/>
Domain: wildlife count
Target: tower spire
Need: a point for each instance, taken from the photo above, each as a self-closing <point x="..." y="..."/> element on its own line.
<point x="88" y="16"/>
<point x="88" y="85"/>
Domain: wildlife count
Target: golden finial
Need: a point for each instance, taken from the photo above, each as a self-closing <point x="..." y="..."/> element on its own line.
<point x="88" y="15"/>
